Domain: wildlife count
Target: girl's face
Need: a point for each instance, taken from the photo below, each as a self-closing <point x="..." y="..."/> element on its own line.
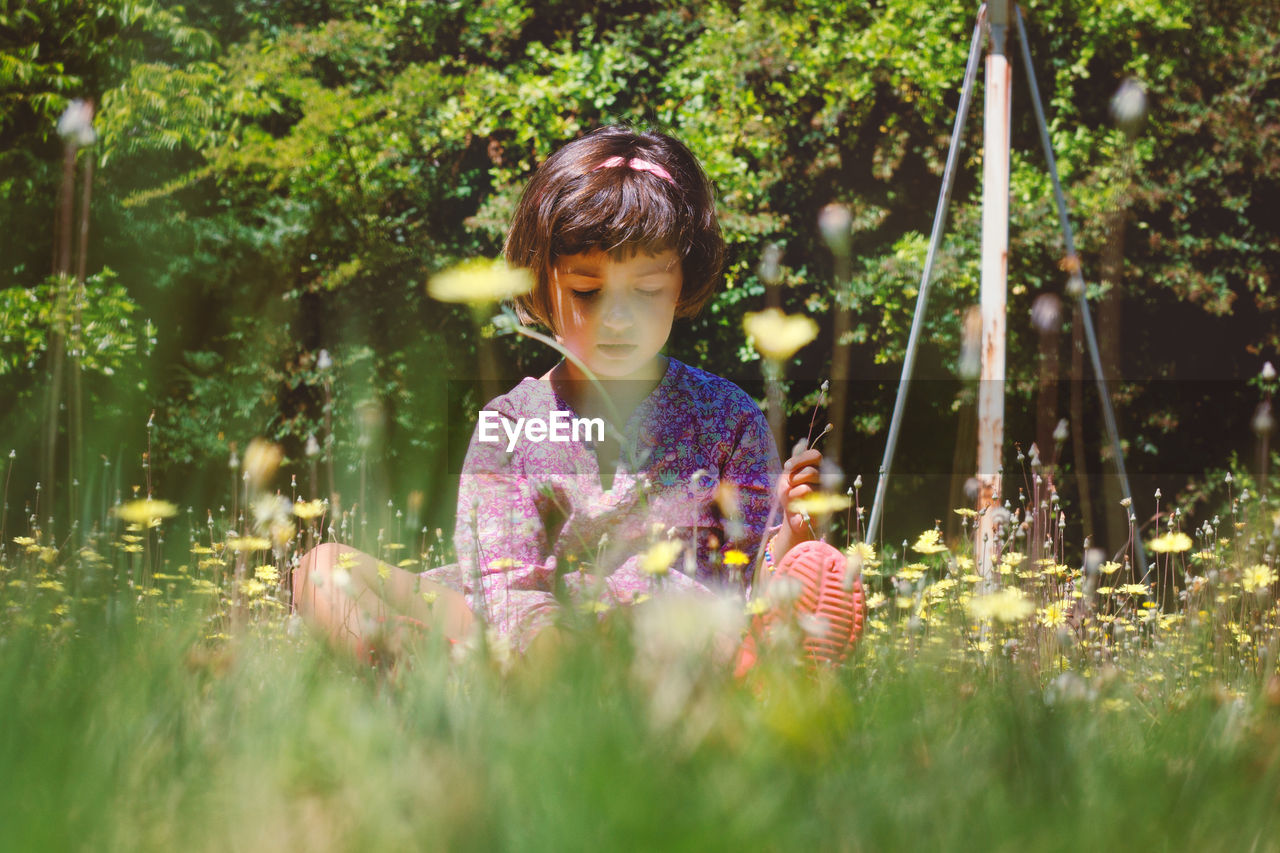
<point x="615" y="314"/>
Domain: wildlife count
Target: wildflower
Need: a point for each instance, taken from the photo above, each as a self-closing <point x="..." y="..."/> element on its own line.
<point x="146" y="511"/>
<point x="267" y="574"/>
<point x="479" y="282"/>
<point x="249" y="543"/>
<point x="24" y="541"/>
<point x="1010" y="561"/>
<point x="776" y="335"/>
<point x="261" y="461"/>
<point x="1134" y="589"/>
<point x="658" y="559"/>
<point x="835" y="223"/>
<point x="1005" y="605"/>
<point x="253" y="587"/>
<point x="966" y="512"/>
<point x="913" y="572"/>
<point x="76" y="124"/>
<point x="1257" y="577"/>
<point x="1110" y="567"/>
<point x="1175" y="541"/>
<point x="929" y="542"/>
<point x="734" y="557"/>
<point x="1053" y="615"/>
<point x="875" y="601"/>
<point x="307" y="510"/>
<point x="864" y="551"/>
<point x="270" y="510"/>
<point x="819" y="503"/>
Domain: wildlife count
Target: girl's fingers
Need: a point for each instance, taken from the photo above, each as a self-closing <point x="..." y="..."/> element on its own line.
<point x="807" y="474"/>
<point x="808" y="457"/>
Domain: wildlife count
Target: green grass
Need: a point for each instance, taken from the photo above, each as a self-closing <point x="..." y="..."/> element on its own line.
<point x="129" y="731"/>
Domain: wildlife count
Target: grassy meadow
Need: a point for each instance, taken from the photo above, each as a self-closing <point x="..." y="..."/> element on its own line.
<point x="160" y="696"/>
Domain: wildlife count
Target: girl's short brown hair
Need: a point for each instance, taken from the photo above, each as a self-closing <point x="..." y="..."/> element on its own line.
<point x="572" y="205"/>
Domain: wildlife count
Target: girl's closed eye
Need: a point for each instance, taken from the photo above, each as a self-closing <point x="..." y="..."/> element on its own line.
<point x="586" y="295"/>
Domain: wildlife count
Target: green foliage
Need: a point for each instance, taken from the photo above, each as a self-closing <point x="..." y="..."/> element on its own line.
<point x="291" y="174"/>
<point x="97" y="321"/>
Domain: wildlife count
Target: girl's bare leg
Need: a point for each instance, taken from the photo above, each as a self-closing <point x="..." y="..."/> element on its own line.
<point x="367" y="606"/>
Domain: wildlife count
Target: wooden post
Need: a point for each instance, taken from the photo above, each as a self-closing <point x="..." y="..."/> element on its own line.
<point x="995" y="270"/>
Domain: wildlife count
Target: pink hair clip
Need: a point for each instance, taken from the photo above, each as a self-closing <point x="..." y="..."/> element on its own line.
<point x="638" y="165"/>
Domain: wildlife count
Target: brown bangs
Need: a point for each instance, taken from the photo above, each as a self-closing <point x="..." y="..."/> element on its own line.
<point x="611" y="213"/>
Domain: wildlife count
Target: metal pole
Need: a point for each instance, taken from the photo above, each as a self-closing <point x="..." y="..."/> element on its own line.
<point x="922" y="298"/>
<point x="995" y="274"/>
<point x="1077" y="285"/>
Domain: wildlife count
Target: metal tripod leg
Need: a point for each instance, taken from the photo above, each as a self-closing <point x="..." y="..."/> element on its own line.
<point x="1077" y="282"/>
<point x="935" y="240"/>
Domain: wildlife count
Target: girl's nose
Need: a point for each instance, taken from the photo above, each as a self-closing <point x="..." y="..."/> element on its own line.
<point x="617" y="314"/>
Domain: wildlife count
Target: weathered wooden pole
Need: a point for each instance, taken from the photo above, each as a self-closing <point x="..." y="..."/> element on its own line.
<point x="995" y="273"/>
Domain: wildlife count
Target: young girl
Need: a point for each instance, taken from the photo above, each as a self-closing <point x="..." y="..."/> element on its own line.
<point x="619" y="231"/>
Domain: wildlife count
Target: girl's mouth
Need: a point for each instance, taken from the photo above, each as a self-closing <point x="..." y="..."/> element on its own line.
<point x="616" y="350"/>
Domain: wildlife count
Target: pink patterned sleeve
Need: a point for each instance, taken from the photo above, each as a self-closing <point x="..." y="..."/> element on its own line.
<point x="501" y="541"/>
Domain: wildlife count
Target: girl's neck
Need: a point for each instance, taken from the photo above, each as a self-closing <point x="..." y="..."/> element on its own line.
<point x="625" y="394"/>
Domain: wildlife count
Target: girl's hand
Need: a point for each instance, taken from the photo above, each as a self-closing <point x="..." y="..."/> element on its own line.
<point x="799" y="478"/>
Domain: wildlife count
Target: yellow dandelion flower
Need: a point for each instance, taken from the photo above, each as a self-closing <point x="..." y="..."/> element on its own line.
<point x="875" y="601"/>
<point x="1053" y="615"/>
<point x="1203" y="555"/>
<point x="1004" y="605"/>
<point x="1010" y="560"/>
<point x="1110" y="567"/>
<point x="863" y="551"/>
<point x="1173" y="542"/>
<point x="964" y="564"/>
<point x="929" y="542"/>
<point x="912" y="571"/>
<point x="966" y="512"/>
<point x="734" y="557"/>
<point x="406" y="563"/>
<point x="307" y="510"/>
<point x="1257" y="577"/>
<point x="210" y="563"/>
<point x="658" y="559"/>
<point x="145" y="511"/>
<point x="261" y="459"/>
<point x="249" y="543"/>
<point x="757" y="606"/>
<point x="1105" y="590"/>
<point x="1134" y="589"/>
<point x="479" y="282"/>
<point x="819" y="503"/>
<point x="267" y="574"/>
<point x="24" y="541"/>
<point x="132" y="549"/>
<point x="776" y="335"/>
<point x="253" y="587"/>
<point x="201" y="549"/>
